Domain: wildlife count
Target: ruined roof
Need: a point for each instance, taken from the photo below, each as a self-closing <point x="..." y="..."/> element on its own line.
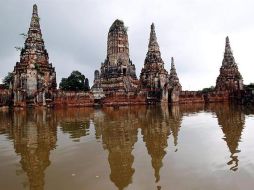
<point x="117" y="26"/>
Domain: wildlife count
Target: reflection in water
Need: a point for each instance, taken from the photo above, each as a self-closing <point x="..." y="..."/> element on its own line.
<point x="119" y="134"/>
<point x="232" y="120"/>
<point x="75" y="122"/>
<point x="34" y="134"/>
<point x="175" y="120"/>
<point x="157" y="124"/>
<point x="155" y="131"/>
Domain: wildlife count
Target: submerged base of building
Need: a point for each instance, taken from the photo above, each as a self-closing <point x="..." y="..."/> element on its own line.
<point x="89" y="99"/>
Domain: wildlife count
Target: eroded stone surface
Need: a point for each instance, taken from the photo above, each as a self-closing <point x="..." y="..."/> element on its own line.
<point x="34" y="77"/>
<point x="230" y="79"/>
<point x="154" y="77"/>
<point x="117" y="73"/>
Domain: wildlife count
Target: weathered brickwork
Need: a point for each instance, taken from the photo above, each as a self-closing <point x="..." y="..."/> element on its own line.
<point x="117" y="72"/>
<point x="230" y="79"/>
<point x="115" y="84"/>
<point x="34" y="78"/>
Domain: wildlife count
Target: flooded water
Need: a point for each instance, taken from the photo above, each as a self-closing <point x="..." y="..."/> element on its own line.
<point x="139" y="148"/>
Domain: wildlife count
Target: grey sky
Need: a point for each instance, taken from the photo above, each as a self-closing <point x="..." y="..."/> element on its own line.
<point x="192" y="31"/>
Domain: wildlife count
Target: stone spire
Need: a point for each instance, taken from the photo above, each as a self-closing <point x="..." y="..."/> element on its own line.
<point x="34" y="76"/>
<point x="34" y="44"/>
<point x="153" y="76"/>
<point x="173" y="69"/>
<point x="228" y="55"/>
<point x="230" y="79"/>
<point x="35" y="18"/>
<point x="34" y="32"/>
<point x="173" y="78"/>
<point x="153" y="44"/>
<point x="154" y="55"/>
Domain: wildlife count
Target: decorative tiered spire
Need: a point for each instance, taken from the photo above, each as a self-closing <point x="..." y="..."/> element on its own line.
<point x="34" y="42"/>
<point x="34" y="76"/>
<point x="173" y="78"/>
<point x="173" y="73"/>
<point x="153" y="44"/>
<point x="153" y="55"/>
<point x="35" y="18"/>
<point x="173" y="69"/>
<point x="230" y="79"/>
<point x="34" y="30"/>
<point x="228" y="55"/>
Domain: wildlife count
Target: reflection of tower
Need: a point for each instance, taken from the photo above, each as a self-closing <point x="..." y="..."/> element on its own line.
<point x="119" y="134"/>
<point x="231" y="120"/>
<point x="34" y="135"/>
<point x="155" y="134"/>
<point x="175" y="120"/>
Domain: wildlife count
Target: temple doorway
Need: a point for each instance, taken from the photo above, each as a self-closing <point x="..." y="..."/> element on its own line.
<point x="124" y="71"/>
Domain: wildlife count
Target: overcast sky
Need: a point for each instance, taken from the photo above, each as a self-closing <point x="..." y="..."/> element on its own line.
<point x="192" y="31"/>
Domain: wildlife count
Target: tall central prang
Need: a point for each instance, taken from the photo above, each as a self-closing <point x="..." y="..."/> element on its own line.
<point x="118" y="74"/>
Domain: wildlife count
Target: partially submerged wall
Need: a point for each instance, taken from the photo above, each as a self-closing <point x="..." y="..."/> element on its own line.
<point x="73" y="99"/>
<point x="122" y="100"/>
<point x="187" y="97"/>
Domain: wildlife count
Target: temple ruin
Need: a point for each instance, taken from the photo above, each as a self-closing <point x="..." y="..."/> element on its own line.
<point x="117" y="73"/>
<point x="154" y="77"/>
<point x="230" y="79"/>
<point x="34" y="78"/>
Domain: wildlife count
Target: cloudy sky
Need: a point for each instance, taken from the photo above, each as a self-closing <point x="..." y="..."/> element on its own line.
<point x="192" y="31"/>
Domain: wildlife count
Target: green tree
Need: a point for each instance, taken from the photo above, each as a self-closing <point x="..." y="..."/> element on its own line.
<point x="7" y="80"/>
<point x="210" y="89"/>
<point x="75" y="82"/>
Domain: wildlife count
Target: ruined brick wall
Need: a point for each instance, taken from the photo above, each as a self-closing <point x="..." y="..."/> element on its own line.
<point x="73" y="99"/>
<point x="191" y="97"/>
<point x="123" y="99"/>
<point x="200" y="97"/>
<point x="217" y="96"/>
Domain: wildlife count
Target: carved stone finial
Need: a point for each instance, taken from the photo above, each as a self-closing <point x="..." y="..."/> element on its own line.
<point x="172" y="63"/>
<point x="35" y="10"/>
<point x="153" y="44"/>
<point x="227" y="40"/>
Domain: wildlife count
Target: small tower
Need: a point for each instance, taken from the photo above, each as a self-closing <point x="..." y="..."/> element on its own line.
<point x="173" y="84"/>
<point x="173" y="78"/>
<point x="34" y="77"/>
<point x="229" y="79"/>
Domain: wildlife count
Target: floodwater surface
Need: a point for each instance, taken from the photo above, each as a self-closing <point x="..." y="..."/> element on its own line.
<point x="192" y="147"/>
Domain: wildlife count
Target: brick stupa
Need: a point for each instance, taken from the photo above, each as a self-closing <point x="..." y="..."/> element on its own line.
<point x="153" y="77"/>
<point x="34" y="77"/>
<point x="229" y="79"/>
